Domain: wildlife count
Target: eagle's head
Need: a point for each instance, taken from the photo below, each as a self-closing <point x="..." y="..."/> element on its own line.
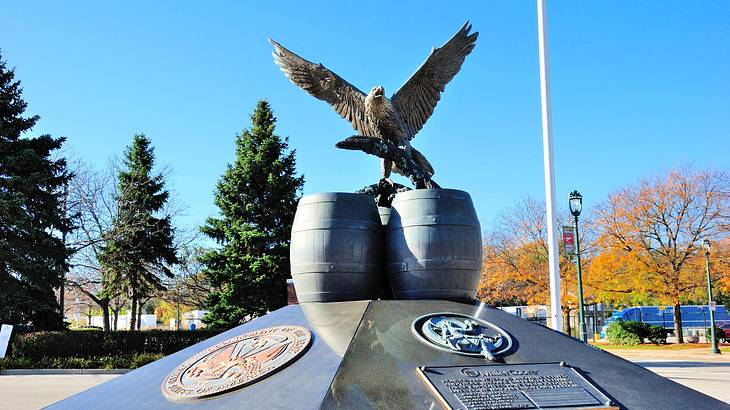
<point x="375" y="98"/>
<point x="377" y="92"/>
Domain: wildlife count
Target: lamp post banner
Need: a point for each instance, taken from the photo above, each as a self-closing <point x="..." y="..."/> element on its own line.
<point x="569" y="239"/>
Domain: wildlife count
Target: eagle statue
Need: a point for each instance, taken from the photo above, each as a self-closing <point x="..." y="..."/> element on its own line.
<point x="385" y="125"/>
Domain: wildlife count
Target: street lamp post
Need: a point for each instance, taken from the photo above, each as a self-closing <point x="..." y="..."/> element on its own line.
<point x="706" y="245"/>
<point x="576" y="205"/>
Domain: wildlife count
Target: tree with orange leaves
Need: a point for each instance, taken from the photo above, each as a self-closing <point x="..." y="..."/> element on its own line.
<point x="720" y="268"/>
<point x="649" y="238"/>
<point x="515" y="266"/>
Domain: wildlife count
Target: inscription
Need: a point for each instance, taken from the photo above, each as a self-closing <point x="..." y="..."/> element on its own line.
<point x="491" y="387"/>
<point x="494" y="391"/>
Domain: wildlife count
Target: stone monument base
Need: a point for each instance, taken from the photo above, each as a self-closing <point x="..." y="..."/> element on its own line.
<point x="364" y="354"/>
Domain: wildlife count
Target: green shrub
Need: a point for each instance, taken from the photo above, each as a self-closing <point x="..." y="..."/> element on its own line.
<point x="73" y="343"/>
<point x="657" y="335"/>
<point x="97" y="349"/>
<point x="142" y="359"/>
<point x="642" y="331"/>
<point x="95" y="362"/>
<point x="623" y="333"/>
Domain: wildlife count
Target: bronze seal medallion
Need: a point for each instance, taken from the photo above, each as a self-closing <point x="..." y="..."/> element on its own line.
<point x="236" y="362"/>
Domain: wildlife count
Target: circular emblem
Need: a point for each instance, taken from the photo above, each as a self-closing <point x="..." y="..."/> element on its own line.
<point x="236" y="362"/>
<point x="463" y="334"/>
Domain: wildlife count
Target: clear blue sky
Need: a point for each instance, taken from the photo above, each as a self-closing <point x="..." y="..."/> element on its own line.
<point x="637" y="87"/>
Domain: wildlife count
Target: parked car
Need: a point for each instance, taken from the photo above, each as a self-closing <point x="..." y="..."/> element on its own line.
<point x="725" y="335"/>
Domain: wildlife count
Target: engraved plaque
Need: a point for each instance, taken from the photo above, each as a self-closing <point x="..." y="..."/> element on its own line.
<point x="517" y="386"/>
<point x="236" y="362"/>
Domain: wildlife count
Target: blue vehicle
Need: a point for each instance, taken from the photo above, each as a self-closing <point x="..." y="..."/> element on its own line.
<point x="693" y="316"/>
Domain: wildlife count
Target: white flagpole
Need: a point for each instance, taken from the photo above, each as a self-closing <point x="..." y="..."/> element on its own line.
<point x="547" y="146"/>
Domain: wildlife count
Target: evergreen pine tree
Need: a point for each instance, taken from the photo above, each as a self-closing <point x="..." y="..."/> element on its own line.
<point x="33" y="257"/>
<point x="257" y="198"/>
<point x="143" y="246"/>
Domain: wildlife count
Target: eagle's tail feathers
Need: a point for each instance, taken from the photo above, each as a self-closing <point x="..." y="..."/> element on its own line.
<point x="422" y="161"/>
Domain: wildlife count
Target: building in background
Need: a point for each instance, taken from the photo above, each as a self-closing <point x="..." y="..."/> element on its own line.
<point x="291" y="293"/>
<point x="595" y="317"/>
<point x="190" y="320"/>
<point x="147" y="322"/>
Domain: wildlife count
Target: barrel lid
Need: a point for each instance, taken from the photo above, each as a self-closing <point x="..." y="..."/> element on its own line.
<point x="432" y="194"/>
<point x="336" y="197"/>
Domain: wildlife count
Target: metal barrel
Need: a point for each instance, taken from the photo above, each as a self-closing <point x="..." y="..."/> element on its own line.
<point x="336" y="248"/>
<point x="433" y="245"/>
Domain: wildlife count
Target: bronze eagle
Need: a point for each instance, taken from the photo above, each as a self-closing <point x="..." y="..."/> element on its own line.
<point x="396" y="120"/>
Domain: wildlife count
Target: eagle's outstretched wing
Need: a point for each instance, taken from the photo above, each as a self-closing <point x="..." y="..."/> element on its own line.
<point x="325" y="85"/>
<point x="417" y="98"/>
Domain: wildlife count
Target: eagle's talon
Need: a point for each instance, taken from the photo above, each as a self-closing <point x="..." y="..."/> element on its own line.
<point x="386" y="182"/>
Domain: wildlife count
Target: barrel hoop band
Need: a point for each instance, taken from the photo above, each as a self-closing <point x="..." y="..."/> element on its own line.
<point x="438" y="293"/>
<point x="436" y="220"/>
<point x="336" y="197"/>
<point x="442" y="194"/>
<point x="412" y="265"/>
<point x="421" y="291"/>
<point x="333" y="267"/>
<point x="322" y="224"/>
<point x="334" y="296"/>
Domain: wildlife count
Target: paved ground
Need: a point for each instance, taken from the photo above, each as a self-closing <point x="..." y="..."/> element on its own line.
<point x="36" y="391"/>
<point x="710" y="378"/>
<point x="697" y="370"/>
